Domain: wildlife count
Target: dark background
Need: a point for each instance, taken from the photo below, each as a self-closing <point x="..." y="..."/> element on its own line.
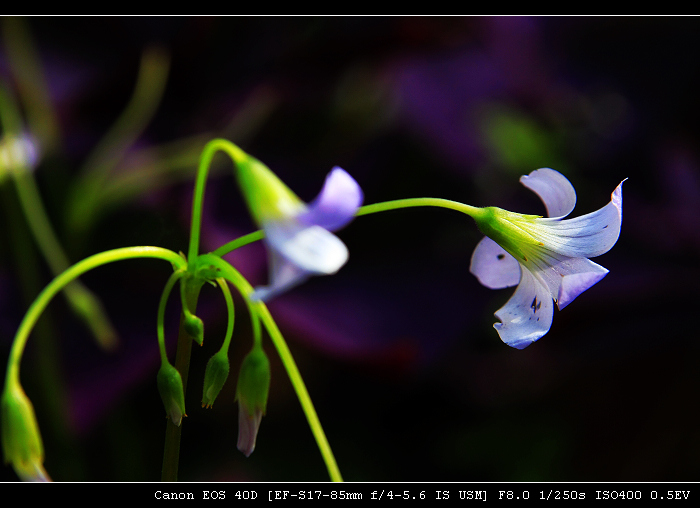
<point x="409" y="378"/>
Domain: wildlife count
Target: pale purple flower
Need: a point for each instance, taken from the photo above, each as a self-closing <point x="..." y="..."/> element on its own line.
<point x="300" y="243"/>
<point x="546" y="257"/>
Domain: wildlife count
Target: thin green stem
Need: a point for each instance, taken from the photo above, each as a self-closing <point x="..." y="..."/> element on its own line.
<point x="161" y="312"/>
<point x="173" y="433"/>
<point x="301" y="391"/>
<point x="185" y="288"/>
<point x="259" y="309"/>
<point x="240" y="242"/>
<point x="384" y="206"/>
<point x="58" y="283"/>
<point x="208" y="153"/>
<point x="231" y="314"/>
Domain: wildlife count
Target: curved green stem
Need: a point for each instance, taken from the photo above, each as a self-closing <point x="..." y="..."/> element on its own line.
<point x="231" y="314"/>
<point x="161" y="312"/>
<point x="259" y="309"/>
<point x="240" y="242"/>
<point x="58" y="283"/>
<point x="208" y="153"/>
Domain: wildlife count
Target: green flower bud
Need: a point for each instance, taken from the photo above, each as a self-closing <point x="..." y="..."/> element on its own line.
<point x="21" y="440"/>
<point x="194" y="327"/>
<point x="171" y="392"/>
<point x="251" y="392"/>
<point x="214" y="377"/>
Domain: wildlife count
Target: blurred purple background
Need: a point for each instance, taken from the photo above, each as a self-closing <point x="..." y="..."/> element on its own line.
<point x="409" y="378"/>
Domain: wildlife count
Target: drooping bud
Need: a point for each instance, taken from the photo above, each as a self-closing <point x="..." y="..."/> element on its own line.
<point x="214" y="377"/>
<point x="171" y="392"/>
<point x="21" y="440"/>
<point x="251" y="392"/>
<point x="194" y="326"/>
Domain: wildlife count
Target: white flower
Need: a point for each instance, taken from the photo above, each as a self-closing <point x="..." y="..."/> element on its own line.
<point x="546" y="257"/>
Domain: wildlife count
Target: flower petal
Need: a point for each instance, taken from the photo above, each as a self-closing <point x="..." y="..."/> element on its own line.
<point x="297" y="252"/>
<point x="565" y="277"/>
<point x="586" y="275"/>
<point x="586" y="236"/>
<point x="527" y="316"/>
<point x="337" y="202"/>
<point x="313" y="249"/>
<point x="283" y="276"/>
<point x="493" y="266"/>
<point x="553" y="188"/>
<point x="248" y="426"/>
